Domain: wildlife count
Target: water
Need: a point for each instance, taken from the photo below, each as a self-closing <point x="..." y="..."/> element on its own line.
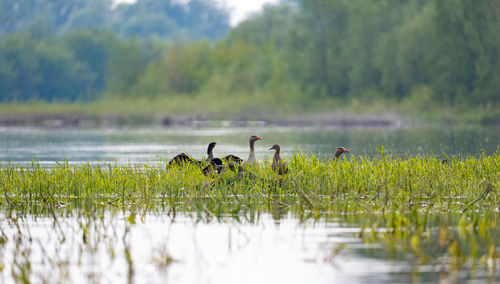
<point x="47" y="146"/>
<point x="158" y="248"/>
<point x="263" y="250"/>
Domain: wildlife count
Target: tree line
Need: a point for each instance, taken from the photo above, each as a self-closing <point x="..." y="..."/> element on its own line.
<point x="79" y="66"/>
<point x="166" y="19"/>
<point x="425" y="51"/>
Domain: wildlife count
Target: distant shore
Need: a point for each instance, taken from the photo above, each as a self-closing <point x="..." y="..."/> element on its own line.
<point x="177" y="112"/>
<point x="109" y="121"/>
<point x="89" y="121"/>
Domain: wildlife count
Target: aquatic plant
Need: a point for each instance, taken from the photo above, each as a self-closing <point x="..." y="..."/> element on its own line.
<point x="415" y="204"/>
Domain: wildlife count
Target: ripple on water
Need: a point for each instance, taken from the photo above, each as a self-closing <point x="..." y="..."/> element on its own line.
<point x="158" y="249"/>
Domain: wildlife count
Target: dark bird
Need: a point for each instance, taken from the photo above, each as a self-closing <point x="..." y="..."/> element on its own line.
<point x="210" y="151"/>
<point x="184" y="158"/>
<point x="232" y="159"/>
<point x="445" y="162"/>
<point x="235" y="168"/>
<point x="340" y="151"/>
<point x="278" y="164"/>
<point x="216" y="165"/>
<point x="226" y="159"/>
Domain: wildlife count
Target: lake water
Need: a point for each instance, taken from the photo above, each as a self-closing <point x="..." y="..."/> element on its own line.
<point x="225" y="251"/>
<point x="251" y="249"/>
<point x="47" y="146"/>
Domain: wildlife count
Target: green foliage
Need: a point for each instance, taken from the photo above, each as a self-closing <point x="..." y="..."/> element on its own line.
<point x="144" y="18"/>
<point x="402" y="55"/>
<point x="182" y="71"/>
<point x="78" y="66"/>
<point x="293" y="57"/>
<point x="40" y="69"/>
<point x="126" y="64"/>
<point x="469" y="46"/>
<point x="408" y="51"/>
<point x="93" y="48"/>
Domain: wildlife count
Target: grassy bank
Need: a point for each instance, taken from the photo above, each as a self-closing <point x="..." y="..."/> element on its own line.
<point x="115" y="111"/>
<point x="207" y="106"/>
<point x="437" y="212"/>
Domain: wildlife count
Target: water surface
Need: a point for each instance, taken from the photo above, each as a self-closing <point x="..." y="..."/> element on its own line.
<point x="161" y="249"/>
<point x="47" y="146"/>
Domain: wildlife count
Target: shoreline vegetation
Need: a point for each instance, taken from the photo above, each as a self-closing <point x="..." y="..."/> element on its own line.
<point x="421" y="60"/>
<point x="202" y="111"/>
<point x="440" y="213"/>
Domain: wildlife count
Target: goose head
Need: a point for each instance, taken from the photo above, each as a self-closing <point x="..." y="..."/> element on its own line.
<point x="340" y="151"/>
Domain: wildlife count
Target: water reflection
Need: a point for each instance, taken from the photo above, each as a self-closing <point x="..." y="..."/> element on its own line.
<point x="152" y="145"/>
<point x="113" y="247"/>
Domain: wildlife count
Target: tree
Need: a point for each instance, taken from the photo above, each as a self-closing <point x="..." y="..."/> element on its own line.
<point x="93" y="48"/>
<point x="127" y="63"/>
<point x="467" y="68"/>
<point x="34" y="69"/>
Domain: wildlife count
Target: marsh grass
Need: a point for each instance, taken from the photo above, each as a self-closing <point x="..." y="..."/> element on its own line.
<point x="152" y="111"/>
<point x="413" y="205"/>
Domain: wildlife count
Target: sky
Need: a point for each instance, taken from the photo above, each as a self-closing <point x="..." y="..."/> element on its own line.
<point x="239" y="9"/>
<point x="242" y="8"/>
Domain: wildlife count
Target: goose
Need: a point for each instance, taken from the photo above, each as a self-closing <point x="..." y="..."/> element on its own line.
<point x="210" y="151"/>
<point x="278" y="164"/>
<point x="226" y="159"/>
<point x="251" y="158"/>
<point x="232" y="159"/>
<point x="215" y="166"/>
<point x="184" y="158"/>
<point x="340" y="151"/>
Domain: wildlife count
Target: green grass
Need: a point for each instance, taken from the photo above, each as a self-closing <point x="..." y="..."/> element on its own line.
<point x="244" y="106"/>
<point x="414" y="204"/>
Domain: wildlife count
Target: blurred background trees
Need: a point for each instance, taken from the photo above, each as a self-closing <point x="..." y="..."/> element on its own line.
<point x="444" y="52"/>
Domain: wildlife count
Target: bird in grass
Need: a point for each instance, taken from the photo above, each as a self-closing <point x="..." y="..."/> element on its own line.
<point x="251" y="158"/>
<point x="340" y="151"/>
<point x="278" y="164"/>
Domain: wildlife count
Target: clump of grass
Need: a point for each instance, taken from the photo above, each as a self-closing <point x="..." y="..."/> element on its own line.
<point x="414" y="204"/>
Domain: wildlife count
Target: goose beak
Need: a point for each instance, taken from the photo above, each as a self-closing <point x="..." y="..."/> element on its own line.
<point x="346" y="151"/>
<point x="258" y="138"/>
<point x="271" y="148"/>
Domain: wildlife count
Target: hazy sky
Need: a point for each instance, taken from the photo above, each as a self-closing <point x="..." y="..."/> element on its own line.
<point x="239" y="8"/>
